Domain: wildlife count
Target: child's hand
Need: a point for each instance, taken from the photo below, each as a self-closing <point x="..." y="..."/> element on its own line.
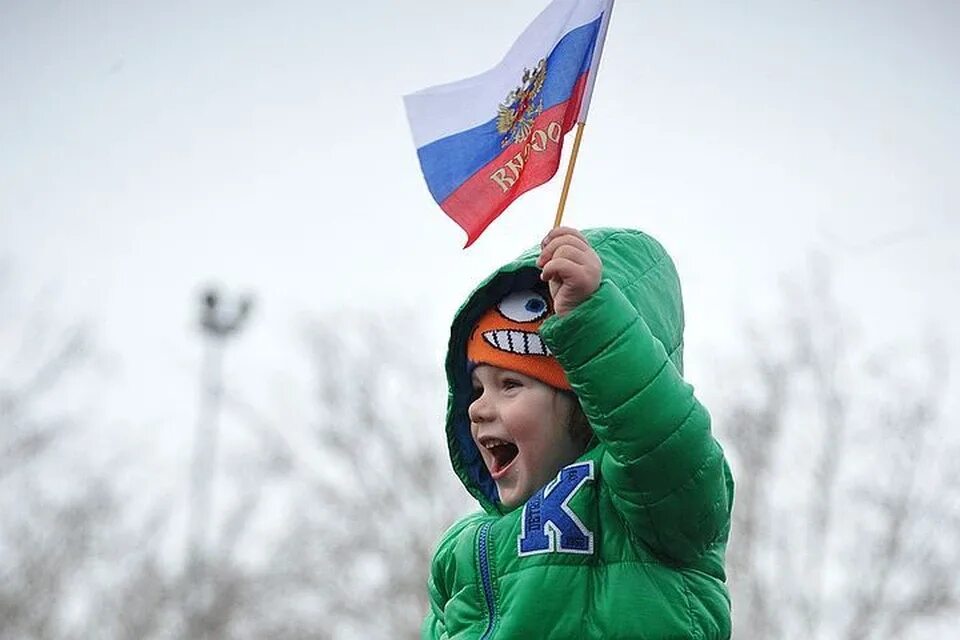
<point x="571" y="266"/>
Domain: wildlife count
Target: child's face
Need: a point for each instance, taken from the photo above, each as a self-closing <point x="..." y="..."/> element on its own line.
<point x="520" y="426"/>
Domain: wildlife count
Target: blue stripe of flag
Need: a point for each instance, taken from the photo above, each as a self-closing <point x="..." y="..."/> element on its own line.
<point x="449" y="162"/>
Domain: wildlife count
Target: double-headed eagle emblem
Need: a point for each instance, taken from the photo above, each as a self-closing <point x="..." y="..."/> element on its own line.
<point x="516" y="114"/>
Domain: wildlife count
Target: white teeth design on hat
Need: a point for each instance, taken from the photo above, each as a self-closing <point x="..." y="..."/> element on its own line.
<point x="521" y="343"/>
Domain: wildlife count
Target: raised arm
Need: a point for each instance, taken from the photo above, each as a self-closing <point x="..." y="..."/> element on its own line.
<point x="667" y="474"/>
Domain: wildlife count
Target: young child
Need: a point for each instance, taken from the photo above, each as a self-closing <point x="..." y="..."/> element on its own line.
<point x="606" y="500"/>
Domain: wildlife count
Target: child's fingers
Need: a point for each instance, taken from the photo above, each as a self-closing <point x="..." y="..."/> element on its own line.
<point x="560" y="269"/>
<point x="564" y="240"/>
<point x="571" y="252"/>
<point x="560" y="242"/>
<point x="576" y="254"/>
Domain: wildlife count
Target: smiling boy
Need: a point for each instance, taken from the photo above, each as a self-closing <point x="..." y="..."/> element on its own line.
<point x="606" y="500"/>
<point x="520" y="427"/>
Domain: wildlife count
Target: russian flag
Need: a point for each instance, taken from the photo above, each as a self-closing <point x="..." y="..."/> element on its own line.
<point x="485" y="140"/>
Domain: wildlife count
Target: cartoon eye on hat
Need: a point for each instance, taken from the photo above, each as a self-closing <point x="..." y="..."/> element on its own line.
<point x="507" y="335"/>
<point x="521" y="307"/>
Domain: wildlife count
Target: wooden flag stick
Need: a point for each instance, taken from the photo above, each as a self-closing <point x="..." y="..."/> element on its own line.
<point x="566" y="181"/>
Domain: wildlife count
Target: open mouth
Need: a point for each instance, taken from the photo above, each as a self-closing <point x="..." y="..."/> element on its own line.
<point x="501" y="455"/>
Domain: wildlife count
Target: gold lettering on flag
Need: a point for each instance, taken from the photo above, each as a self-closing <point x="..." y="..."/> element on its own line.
<point x="538" y="140"/>
<point x="507" y="175"/>
<point x="554" y="131"/>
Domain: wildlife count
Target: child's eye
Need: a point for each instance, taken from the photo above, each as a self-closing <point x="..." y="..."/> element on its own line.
<point x="511" y="383"/>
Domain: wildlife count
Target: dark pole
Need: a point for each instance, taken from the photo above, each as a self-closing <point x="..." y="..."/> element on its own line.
<point x="219" y="321"/>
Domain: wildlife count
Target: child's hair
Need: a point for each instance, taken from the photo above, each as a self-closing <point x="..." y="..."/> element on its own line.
<point x="578" y="427"/>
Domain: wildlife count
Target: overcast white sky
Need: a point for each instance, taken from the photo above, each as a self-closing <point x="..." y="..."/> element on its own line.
<point x="149" y="147"/>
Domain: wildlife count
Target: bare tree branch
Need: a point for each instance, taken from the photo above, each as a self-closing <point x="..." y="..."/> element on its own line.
<point x="841" y="512"/>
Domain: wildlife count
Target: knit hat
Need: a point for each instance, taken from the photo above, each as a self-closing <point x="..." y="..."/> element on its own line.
<point x="506" y="337"/>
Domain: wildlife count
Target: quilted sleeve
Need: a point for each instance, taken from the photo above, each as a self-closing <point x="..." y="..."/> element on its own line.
<point x="667" y="475"/>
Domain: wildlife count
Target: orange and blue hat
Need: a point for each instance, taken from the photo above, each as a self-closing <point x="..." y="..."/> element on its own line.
<point x="506" y="336"/>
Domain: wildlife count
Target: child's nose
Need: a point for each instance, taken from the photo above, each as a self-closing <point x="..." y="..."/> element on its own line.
<point x="480" y="410"/>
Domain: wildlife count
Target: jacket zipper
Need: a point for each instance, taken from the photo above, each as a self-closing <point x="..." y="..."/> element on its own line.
<point x="483" y="554"/>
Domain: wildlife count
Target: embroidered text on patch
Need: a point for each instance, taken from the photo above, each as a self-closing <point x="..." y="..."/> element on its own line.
<point x="548" y="523"/>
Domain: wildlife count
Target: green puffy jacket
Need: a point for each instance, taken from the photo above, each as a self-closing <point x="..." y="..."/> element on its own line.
<point x="628" y="541"/>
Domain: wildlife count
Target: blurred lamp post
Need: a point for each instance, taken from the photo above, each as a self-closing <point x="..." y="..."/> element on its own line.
<point x="220" y="319"/>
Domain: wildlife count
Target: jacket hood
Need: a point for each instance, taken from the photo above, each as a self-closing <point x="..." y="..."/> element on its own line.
<point x="632" y="261"/>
